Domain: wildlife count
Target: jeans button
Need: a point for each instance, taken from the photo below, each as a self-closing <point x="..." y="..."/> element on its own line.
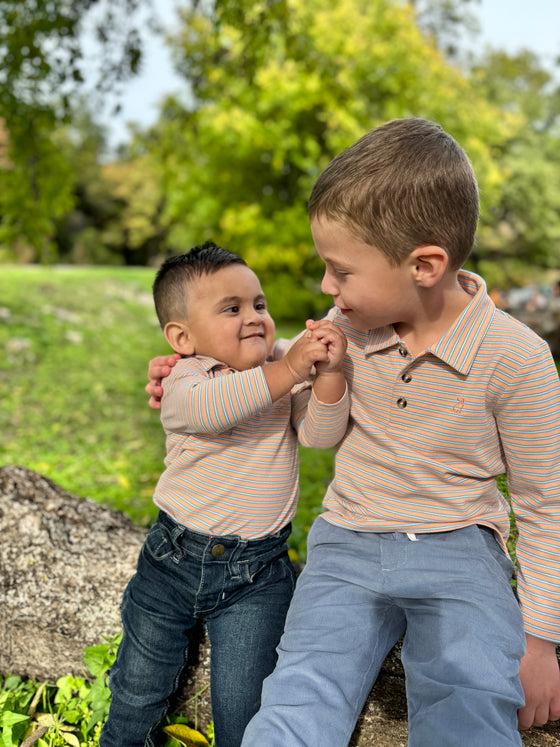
<point x="218" y="551"/>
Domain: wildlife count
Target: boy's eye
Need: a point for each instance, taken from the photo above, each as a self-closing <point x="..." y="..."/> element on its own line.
<point x="233" y="309"/>
<point x="260" y="306"/>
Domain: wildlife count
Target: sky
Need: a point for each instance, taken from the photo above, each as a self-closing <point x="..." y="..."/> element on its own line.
<point x="506" y="24"/>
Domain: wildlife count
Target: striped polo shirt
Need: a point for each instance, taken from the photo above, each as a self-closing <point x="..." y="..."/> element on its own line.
<point x="232" y="456"/>
<point x="428" y="437"/>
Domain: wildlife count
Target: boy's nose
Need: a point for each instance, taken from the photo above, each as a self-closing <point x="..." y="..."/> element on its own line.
<point x="327" y="286"/>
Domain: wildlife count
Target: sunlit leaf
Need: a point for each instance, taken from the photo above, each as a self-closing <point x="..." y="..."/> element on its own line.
<point x="185" y="735"/>
<point x="70" y="739"/>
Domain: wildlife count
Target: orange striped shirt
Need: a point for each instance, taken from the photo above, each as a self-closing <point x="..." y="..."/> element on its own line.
<point x="232" y="454"/>
<point x="428" y="437"/>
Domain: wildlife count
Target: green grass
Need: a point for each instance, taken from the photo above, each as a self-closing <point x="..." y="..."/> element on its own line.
<point x="75" y="344"/>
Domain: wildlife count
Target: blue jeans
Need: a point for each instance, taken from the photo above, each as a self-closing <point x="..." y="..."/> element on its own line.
<point x="240" y="588"/>
<point x="448" y="594"/>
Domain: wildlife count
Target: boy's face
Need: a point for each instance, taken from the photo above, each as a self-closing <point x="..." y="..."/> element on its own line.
<point x="369" y="290"/>
<point x="227" y="318"/>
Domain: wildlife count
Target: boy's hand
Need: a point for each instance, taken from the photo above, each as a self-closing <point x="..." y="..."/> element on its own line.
<point x="540" y="678"/>
<point x="335" y="341"/>
<point x="158" y="369"/>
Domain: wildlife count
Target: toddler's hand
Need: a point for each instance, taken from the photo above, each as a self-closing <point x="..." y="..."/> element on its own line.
<point x="306" y="352"/>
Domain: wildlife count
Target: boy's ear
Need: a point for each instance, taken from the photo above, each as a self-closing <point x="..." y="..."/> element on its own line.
<point x="429" y="264"/>
<point x="177" y="335"/>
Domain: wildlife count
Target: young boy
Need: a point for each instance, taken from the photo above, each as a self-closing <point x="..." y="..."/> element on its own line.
<point x="447" y="392"/>
<point x="218" y="552"/>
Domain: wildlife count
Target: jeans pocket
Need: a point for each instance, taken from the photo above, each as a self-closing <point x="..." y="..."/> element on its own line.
<point x="273" y="569"/>
<point x="158" y="544"/>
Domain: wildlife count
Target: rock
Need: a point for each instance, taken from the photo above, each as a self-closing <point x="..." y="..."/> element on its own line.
<point x="64" y="564"/>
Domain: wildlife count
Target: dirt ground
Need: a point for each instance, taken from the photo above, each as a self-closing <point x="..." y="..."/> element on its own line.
<point x="383" y="721"/>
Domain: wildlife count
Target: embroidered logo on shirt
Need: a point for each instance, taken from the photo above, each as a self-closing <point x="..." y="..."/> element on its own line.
<point x="459" y="406"/>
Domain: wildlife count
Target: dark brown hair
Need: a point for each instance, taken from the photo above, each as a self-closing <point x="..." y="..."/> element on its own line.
<point x="170" y="284"/>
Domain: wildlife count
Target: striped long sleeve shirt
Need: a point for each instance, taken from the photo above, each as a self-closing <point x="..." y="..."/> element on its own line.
<point x="429" y="435"/>
<point x="232" y="458"/>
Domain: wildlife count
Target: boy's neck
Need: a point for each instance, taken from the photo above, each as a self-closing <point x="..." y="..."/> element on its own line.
<point x="436" y="310"/>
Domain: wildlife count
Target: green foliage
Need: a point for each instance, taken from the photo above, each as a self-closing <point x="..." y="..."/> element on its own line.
<point x="71" y="712"/>
<point x="43" y="49"/>
<point x="76" y="343"/>
<point x="274" y="89"/>
<point x="35" y="189"/>
<point x="520" y="231"/>
<point x="68" y="713"/>
<point x="278" y="90"/>
<point x="43" y="60"/>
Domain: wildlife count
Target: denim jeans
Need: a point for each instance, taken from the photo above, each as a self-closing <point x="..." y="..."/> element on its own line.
<point x="240" y="588"/>
<point x="448" y="594"/>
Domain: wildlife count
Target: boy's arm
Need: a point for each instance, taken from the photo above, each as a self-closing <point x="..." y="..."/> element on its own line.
<point x="540" y="679"/>
<point x="526" y="414"/>
<point x="322" y="419"/>
<point x="330" y="383"/>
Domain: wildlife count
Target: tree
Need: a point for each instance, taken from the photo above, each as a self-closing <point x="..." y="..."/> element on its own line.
<point x="279" y="89"/>
<point x="521" y="228"/>
<point x="43" y="58"/>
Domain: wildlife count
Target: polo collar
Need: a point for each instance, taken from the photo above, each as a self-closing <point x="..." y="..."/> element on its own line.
<point x="209" y="364"/>
<point x="459" y="345"/>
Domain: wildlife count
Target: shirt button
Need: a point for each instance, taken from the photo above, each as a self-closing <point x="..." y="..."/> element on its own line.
<point x="406" y="378"/>
<point x="218" y="551"/>
<point x="402" y="403"/>
<point x="403" y="351"/>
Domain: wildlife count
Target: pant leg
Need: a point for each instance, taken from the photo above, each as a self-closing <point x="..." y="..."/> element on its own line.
<point x="157" y="616"/>
<point x="463" y="644"/>
<point x="339" y="629"/>
<point x="244" y="637"/>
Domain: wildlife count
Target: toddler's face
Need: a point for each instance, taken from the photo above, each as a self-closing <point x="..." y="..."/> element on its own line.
<point x="228" y="319"/>
<point x="369" y="290"/>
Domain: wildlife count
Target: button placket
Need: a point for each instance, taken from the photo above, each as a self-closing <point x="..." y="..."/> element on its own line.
<point x="405" y="377"/>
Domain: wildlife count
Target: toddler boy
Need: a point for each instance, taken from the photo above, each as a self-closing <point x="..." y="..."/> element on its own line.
<point x="218" y="551"/>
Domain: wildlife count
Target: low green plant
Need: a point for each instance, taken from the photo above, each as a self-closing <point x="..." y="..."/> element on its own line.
<point x="71" y="712"/>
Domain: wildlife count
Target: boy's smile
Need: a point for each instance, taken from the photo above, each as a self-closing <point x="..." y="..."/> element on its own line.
<point x="227" y="318"/>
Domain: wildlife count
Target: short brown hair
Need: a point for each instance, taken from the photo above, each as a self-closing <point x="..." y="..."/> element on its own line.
<point x="402" y="185"/>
